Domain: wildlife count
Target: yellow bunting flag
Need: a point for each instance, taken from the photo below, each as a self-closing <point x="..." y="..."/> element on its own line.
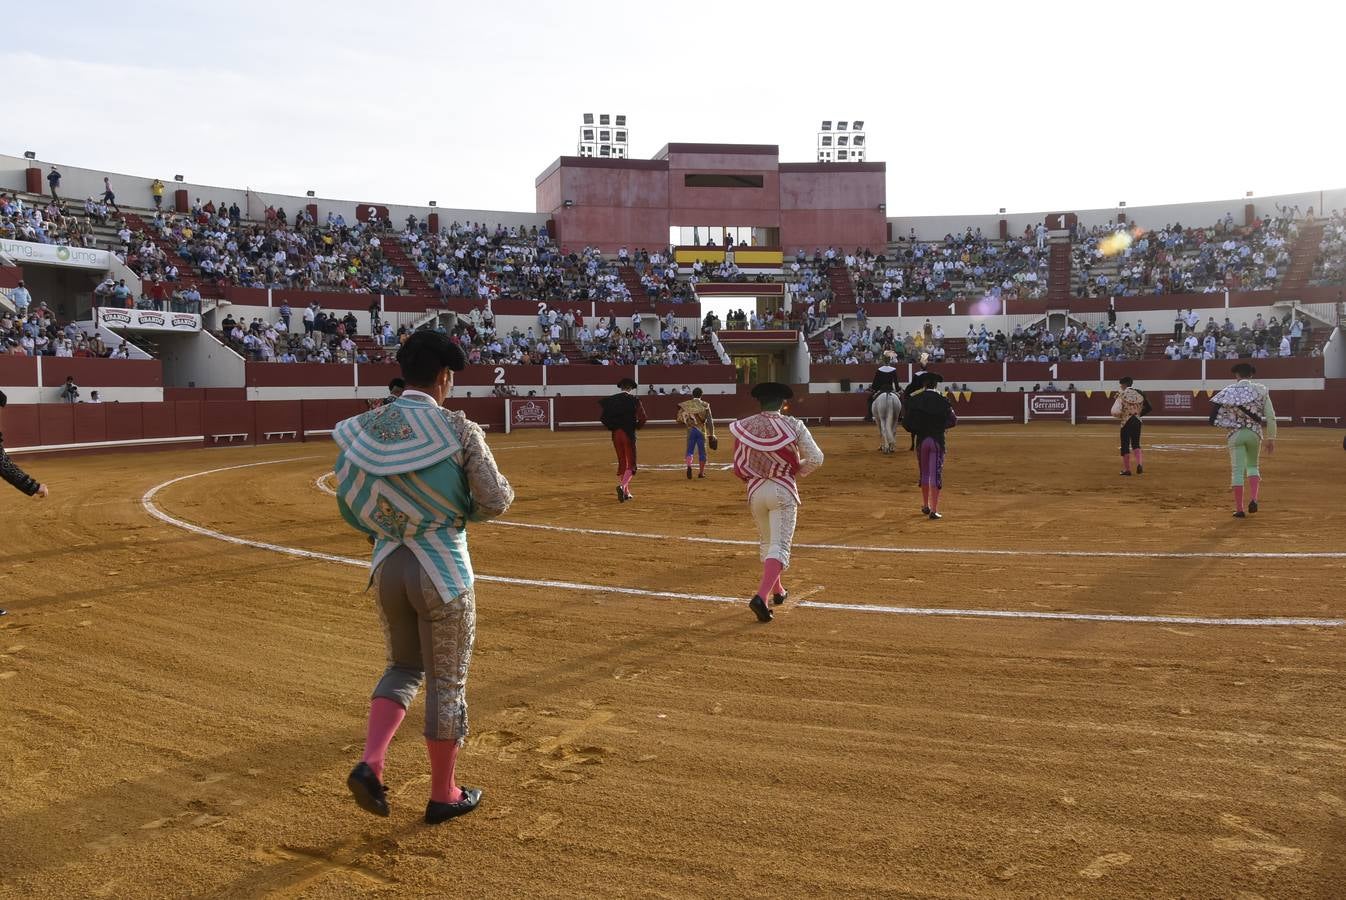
<point x="1088" y="394"/>
<point x="1195" y="392"/>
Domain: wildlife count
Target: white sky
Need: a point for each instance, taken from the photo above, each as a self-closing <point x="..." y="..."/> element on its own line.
<point x="972" y="105"/>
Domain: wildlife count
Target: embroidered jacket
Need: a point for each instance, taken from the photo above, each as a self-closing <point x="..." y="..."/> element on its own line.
<point x="413" y="474"/>
<point x="773" y="448"/>
<point x="1245" y="404"/>
<point x="1129" y="403"/>
<point x="695" y="413"/>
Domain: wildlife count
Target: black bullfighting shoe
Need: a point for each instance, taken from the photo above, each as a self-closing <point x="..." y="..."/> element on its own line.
<point x="442" y="812"/>
<point x="369" y="792"/>
<point x="759" y="608"/>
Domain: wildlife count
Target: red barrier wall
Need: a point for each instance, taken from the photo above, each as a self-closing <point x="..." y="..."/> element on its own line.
<point x="689" y="375"/>
<point x="32" y="425"/>
<point x="100" y="373"/>
<point x="19" y="371"/>
<point x="261" y="374"/>
<point x="562" y="376"/>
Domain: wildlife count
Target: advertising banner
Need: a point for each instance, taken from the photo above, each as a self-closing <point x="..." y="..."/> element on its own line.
<point x="1049" y="406"/>
<point x="533" y="412"/>
<point x="24" y="252"/>
<point x="145" y="320"/>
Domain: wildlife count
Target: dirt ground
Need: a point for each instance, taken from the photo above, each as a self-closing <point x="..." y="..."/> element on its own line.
<point x="179" y="713"/>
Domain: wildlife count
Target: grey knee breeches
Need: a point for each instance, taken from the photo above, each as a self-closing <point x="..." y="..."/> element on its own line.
<point x="429" y="640"/>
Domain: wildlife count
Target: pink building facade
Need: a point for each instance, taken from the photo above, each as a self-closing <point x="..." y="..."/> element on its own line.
<point x="691" y="194"/>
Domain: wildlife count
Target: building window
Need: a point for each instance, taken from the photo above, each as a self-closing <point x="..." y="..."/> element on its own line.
<point x="604" y="150"/>
<point x="841" y="154"/>
<point x="827" y="140"/>
<point x="621" y="122"/>
<point x="841" y="126"/>
<point x="588" y="118"/>
<point x="605" y="135"/>
<point x="827" y="125"/>
<point x="708" y="179"/>
<point x="588" y="134"/>
<point x="603" y="119"/>
<point x="841" y="141"/>
<point x="621" y="137"/>
<point x="859" y="140"/>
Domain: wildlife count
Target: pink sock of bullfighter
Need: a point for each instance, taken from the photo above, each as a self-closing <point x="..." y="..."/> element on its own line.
<point x="771" y="570"/>
<point x="925" y="495"/>
<point x="689" y="460"/>
<point x="626" y="480"/>
<point x="443" y="761"/>
<point x="1126" y="462"/>
<point x="1254" y="486"/>
<point x="384" y="717"/>
<point x="1238" y="498"/>
<point x="934" y="499"/>
<point x="1140" y="456"/>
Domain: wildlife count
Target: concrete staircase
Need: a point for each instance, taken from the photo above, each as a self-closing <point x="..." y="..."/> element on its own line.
<point x="396" y="255"/>
<point x="631" y="280"/>
<point x="1303" y="254"/>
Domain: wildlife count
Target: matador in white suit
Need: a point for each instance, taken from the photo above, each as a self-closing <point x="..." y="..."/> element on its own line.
<point x="772" y="451"/>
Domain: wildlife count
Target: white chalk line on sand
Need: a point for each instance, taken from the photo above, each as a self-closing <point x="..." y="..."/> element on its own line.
<point x="147" y="501"/>
<point x="321" y="484"/>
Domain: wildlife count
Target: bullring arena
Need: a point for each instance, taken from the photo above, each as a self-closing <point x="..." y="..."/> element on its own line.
<point x="1074" y="684"/>
<point x="1048" y="693"/>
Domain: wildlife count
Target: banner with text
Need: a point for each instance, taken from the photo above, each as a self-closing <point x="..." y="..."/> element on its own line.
<point x="145" y="320"/>
<point x="26" y="252"/>
<point x="533" y="412"/>
<point x="1049" y="406"/>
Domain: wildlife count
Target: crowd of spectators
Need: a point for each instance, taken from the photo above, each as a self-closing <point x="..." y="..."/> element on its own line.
<point x="658" y="274"/>
<point x="1263" y="338"/>
<point x="280" y="252"/>
<point x="1330" y="266"/>
<point x="43" y="223"/>
<point x="959" y="265"/>
<point x="38" y="334"/>
<point x="1116" y="260"/>
<point x="324" y="338"/>
<point x="475" y="261"/>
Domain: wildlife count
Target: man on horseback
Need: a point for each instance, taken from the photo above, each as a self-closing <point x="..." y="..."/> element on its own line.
<point x="885" y="380"/>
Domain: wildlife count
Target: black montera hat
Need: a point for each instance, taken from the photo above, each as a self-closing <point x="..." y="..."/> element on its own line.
<point x="1243" y="370"/>
<point x="627" y="384"/>
<point x="772" y="391"/>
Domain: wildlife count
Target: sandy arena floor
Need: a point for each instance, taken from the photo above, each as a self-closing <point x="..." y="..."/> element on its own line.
<point x="179" y="713"/>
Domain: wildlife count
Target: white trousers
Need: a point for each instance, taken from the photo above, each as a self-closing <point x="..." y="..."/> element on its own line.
<point x="775" y="511"/>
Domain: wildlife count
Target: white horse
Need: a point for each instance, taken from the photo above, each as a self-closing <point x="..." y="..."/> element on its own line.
<point x="887" y="409"/>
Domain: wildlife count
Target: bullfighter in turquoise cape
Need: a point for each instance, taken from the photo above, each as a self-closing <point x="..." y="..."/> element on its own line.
<point x="411" y="476"/>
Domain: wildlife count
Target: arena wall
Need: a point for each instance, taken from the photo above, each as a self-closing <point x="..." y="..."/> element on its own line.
<point x="1196" y="213"/>
<point x="134" y="190"/>
<point x="197" y="416"/>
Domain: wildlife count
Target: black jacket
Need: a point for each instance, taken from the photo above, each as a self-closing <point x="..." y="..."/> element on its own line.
<point x="10" y="472"/>
<point x="928" y="414"/>
<point x="622" y="411"/>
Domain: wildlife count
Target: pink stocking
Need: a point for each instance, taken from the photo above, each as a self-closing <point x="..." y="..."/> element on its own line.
<point x="934" y="499"/>
<point x="1126" y="462"/>
<point x="384" y="717"/>
<point x="1140" y="459"/>
<point x="1254" y="486"/>
<point x="771" y="570"/>
<point x="443" y="760"/>
<point x="1238" y="498"/>
<point x="626" y="478"/>
<point x="925" y="495"/>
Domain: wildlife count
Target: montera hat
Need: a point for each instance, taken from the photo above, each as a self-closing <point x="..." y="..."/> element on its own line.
<point x="772" y="391"/>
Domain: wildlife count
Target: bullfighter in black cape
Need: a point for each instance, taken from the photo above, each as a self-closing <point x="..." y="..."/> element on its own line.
<point x="623" y="414"/>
